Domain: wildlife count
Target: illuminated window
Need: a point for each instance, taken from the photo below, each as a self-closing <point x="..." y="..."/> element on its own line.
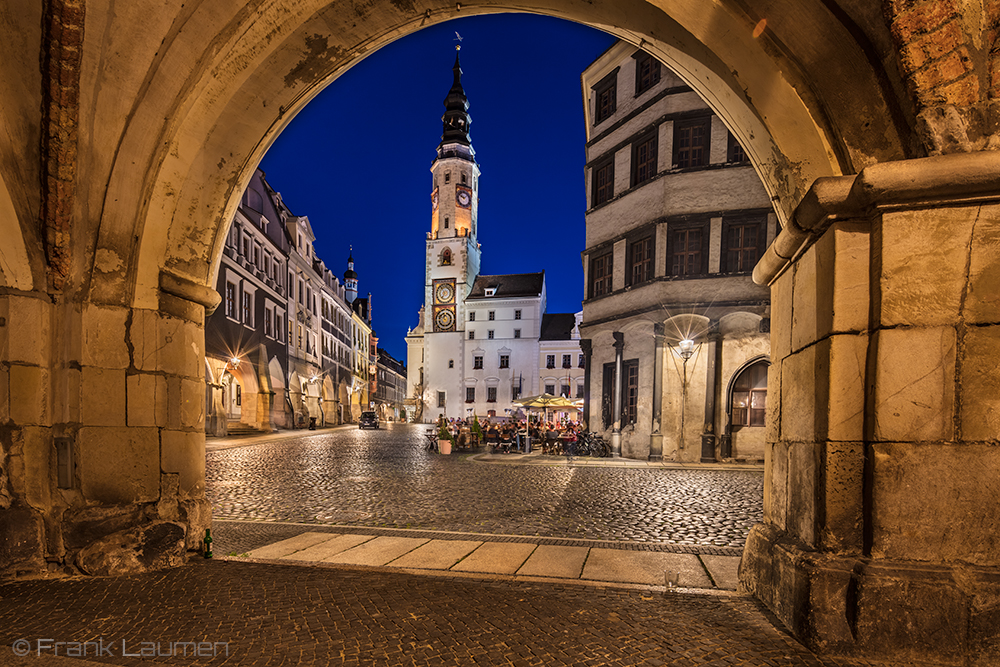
<point x="750" y="396"/>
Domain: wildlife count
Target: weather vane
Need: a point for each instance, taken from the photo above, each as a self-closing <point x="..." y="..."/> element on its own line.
<point x="458" y="38"/>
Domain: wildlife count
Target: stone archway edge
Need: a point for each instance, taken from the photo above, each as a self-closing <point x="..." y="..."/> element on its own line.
<point x="958" y="177"/>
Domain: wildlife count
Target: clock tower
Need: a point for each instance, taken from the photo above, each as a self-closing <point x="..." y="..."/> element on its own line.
<point x="453" y="255"/>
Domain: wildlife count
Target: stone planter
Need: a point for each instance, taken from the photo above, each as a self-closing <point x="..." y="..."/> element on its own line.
<point x="444" y="446"/>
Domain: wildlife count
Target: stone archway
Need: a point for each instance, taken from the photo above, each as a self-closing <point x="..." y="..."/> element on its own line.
<point x="141" y="163"/>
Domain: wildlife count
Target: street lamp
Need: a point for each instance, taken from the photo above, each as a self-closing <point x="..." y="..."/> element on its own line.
<point x="685" y="349"/>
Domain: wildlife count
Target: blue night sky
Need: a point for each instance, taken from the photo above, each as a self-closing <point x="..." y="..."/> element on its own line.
<point x="357" y="159"/>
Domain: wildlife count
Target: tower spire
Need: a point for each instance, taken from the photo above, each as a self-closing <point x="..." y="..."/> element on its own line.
<point x="456" y="117"/>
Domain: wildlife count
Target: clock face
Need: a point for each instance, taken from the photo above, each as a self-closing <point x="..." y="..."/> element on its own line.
<point x="444" y="293"/>
<point x="464" y="198"/>
<point x="444" y="320"/>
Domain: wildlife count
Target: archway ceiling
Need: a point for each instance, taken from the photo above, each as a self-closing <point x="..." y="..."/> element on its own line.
<point x="178" y="106"/>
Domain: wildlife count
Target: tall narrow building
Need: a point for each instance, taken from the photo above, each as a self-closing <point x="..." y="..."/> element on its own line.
<point x="475" y="347"/>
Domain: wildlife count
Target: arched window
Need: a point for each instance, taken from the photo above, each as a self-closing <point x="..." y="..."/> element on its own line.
<point x="446" y="257"/>
<point x="750" y="395"/>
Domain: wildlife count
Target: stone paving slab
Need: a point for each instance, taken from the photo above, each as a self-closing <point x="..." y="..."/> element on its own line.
<point x="437" y="554"/>
<point x="378" y="551"/>
<point x="642" y="567"/>
<point x="724" y="571"/>
<point x="289" y="546"/>
<point x="496" y="558"/>
<point x="552" y="561"/>
<point x="329" y="548"/>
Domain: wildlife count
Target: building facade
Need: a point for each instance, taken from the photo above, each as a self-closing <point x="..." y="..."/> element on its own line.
<point x="245" y="355"/>
<point x="391" y="389"/>
<point x="676" y="331"/>
<point x="474" y="350"/>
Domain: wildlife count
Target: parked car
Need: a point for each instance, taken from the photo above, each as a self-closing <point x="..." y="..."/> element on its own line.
<point x="368" y="420"/>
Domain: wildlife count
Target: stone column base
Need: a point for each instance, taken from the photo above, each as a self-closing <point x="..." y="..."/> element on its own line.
<point x="927" y="613"/>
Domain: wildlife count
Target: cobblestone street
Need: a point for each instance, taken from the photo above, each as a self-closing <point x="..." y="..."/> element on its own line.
<point x="385" y="478"/>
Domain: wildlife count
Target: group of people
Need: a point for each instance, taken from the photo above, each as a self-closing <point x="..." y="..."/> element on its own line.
<point x="510" y="435"/>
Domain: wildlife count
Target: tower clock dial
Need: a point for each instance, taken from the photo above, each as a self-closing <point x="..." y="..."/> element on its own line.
<point x="444" y="293"/>
<point x="444" y="318"/>
<point x="464" y="197"/>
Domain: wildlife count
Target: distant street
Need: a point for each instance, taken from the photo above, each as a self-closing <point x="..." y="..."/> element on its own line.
<point x="385" y="478"/>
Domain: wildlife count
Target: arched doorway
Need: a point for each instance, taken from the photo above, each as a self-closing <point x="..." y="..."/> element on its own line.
<point x="150" y="158"/>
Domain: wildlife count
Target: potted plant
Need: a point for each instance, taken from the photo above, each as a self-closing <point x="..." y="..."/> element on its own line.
<point x="477" y="430"/>
<point x="444" y="439"/>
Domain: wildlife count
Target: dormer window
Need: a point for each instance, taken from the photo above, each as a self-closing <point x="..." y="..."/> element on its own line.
<point x="490" y="291"/>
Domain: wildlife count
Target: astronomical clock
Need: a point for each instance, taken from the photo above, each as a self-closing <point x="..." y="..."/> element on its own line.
<point x="444" y="305"/>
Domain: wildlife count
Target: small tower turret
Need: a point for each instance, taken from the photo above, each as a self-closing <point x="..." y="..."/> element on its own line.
<point x="350" y="279"/>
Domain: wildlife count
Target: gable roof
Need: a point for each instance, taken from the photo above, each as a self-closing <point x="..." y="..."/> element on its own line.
<point x="508" y="285"/>
<point x="557" y="326"/>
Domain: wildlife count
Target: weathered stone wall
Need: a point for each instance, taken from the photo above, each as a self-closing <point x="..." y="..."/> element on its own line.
<point x="882" y="467"/>
<point x="122" y="390"/>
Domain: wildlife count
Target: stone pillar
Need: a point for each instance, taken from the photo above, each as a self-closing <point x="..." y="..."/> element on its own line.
<point x="711" y="371"/>
<point x="880" y="515"/>
<point x="616" y="427"/>
<point x="105" y="410"/>
<point x="586" y="346"/>
<point x="656" y="436"/>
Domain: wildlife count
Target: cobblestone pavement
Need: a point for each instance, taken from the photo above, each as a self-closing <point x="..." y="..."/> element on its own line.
<point x="266" y="614"/>
<point x="385" y="478"/>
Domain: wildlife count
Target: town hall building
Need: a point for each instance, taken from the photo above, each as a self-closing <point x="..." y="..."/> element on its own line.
<point x="475" y="349"/>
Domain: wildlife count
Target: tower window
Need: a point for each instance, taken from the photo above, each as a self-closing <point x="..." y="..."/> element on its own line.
<point x="446" y="223"/>
<point x="451" y="363"/>
<point x="440" y="399"/>
<point x="472" y="335"/>
<point x="447" y="177"/>
<point x="463" y="178"/>
<point x="446" y="253"/>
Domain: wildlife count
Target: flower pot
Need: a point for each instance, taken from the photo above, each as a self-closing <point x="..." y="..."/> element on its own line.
<point x="444" y="446"/>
